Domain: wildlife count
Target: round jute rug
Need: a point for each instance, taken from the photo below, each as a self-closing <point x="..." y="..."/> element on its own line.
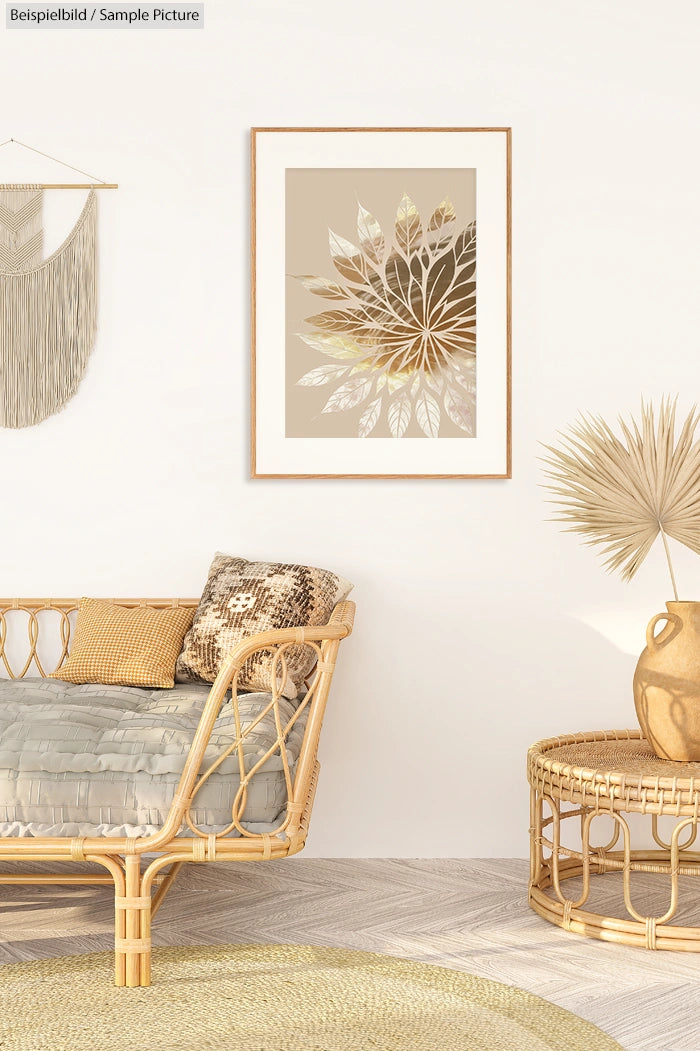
<point x="277" y="998"/>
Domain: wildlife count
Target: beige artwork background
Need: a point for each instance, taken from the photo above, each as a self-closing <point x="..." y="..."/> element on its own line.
<point x="319" y="198"/>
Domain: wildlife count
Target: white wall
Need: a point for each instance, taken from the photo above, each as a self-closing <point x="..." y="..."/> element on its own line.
<point x="480" y="626"/>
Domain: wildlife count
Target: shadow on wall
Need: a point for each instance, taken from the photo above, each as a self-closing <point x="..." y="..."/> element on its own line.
<point x="560" y="674"/>
<point x="513" y="670"/>
<point x="453" y="705"/>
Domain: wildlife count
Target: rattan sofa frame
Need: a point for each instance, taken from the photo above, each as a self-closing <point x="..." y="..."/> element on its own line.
<point x="140" y="889"/>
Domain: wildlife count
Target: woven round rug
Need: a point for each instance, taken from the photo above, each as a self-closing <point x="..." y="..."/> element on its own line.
<point x="277" y="998"/>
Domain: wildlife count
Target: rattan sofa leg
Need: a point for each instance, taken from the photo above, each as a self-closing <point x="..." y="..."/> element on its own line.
<point x="119" y="935"/>
<point x="134" y="947"/>
<point x="145" y="960"/>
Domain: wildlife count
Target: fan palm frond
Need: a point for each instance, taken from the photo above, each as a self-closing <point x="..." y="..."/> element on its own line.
<point x="621" y="492"/>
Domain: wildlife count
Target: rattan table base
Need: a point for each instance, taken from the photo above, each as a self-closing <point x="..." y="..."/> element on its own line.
<point x="580" y="779"/>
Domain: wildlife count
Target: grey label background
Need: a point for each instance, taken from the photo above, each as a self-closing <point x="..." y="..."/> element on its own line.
<point x="93" y="20"/>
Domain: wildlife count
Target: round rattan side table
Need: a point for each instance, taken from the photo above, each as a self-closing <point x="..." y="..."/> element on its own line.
<point x="579" y="778"/>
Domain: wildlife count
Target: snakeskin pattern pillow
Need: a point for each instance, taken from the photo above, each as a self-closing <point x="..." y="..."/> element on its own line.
<point x="243" y="598"/>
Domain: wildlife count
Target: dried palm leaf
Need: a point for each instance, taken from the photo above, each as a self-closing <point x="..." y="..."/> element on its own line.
<point x="622" y="492"/>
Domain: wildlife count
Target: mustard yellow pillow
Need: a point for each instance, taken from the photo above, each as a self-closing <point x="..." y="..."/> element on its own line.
<point x="119" y="646"/>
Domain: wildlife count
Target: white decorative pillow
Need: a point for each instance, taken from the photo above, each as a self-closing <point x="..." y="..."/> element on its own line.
<point x="243" y="598"/>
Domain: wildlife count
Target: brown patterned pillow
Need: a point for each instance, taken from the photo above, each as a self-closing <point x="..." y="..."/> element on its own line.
<point x="243" y="598"/>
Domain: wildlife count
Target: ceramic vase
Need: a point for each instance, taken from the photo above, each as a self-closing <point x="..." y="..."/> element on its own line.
<point x="667" y="683"/>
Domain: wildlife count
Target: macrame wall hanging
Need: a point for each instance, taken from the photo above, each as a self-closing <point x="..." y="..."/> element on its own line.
<point x="48" y="305"/>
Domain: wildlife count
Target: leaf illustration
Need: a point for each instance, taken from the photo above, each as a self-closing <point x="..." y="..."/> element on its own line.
<point x="465" y="246"/>
<point x="435" y="383"/>
<point x="408" y="226"/>
<point x="396" y="380"/>
<point x="332" y="345"/>
<point x="349" y="394"/>
<point x="428" y="414"/>
<point x="467" y="382"/>
<point x="405" y="322"/>
<point x="438" y="285"/>
<point x="348" y="259"/>
<point x="338" y="320"/>
<point x="443" y="215"/>
<point x="441" y="225"/>
<point x="461" y="301"/>
<point x="399" y="286"/>
<point x="321" y="375"/>
<point x="368" y="419"/>
<point x="451" y="300"/>
<point x="460" y="411"/>
<point x="399" y="415"/>
<point x="321" y="287"/>
<point x="371" y="237"/>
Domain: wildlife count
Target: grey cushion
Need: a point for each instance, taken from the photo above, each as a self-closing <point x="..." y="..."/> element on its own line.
<point x="92" y="759"/>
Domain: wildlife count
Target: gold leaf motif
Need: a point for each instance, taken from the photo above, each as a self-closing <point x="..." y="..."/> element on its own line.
<point x="409" y="234"/>
<point x="407" y="322"/>
<point x="441" y="225"/>
<point x="333" y="346"/>
<point x="465" y="246"/>
<point x="369" y="418"/>
<point x="370" y="234"/>
<point x="396" y="380"/>
<point x="399" y="415"/>
<point x="322" y="287"/>
<point x="321" y="375"/>
<point x="348" y="259"/>
<point x="459" y="411"/>
<point x="349" y="394"/>
<point x="428" y="414"/>
<point x="466" y="375"/>
<point x="442" y="216"/>
<point x="337" y="320"/>
<point x="436" y="383"/>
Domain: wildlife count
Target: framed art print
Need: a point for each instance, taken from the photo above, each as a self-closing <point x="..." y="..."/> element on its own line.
<point x="381" y="303"/>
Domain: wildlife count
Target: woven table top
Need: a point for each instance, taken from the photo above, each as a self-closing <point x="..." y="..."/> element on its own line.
<point x="613" y="769"/>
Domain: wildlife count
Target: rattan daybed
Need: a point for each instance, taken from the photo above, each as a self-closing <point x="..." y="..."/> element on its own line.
<point x="233" y="739"/>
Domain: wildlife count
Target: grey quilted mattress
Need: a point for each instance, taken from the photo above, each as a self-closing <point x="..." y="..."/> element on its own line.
<point x="106" y="760"/>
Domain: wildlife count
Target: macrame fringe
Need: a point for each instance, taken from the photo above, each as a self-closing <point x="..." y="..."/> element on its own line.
<point x="21" y="228"/>
<point x="48" y="322"/>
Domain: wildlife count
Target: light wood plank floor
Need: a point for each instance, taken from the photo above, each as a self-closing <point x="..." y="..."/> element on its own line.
<point x="467" y="914"/>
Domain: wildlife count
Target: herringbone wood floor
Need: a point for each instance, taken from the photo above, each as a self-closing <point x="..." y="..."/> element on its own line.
<point x="466" y="914"/>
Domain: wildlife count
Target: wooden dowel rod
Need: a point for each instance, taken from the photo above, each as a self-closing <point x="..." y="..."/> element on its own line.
<point x="79" y="186"/>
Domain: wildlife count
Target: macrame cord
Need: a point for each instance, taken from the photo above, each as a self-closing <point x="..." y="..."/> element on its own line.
<point x="48" y="307"/>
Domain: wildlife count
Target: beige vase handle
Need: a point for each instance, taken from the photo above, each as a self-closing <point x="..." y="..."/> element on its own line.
<point x="653" y="640"/>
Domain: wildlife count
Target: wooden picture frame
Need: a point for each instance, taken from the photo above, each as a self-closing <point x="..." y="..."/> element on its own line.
<point x="367" y="360"/>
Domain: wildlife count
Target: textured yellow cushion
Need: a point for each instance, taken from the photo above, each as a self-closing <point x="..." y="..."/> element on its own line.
<point x="119" y="646"/>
